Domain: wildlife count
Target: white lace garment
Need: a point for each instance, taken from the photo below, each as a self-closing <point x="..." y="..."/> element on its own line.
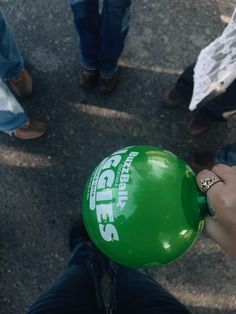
<point x="215" y="69"/>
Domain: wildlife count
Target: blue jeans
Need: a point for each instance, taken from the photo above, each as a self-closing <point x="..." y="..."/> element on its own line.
<point x="78" y="290"/>
<point x="226" y="155"/>
<point x="12" y="115"/>
<point x="102" y="34"/>
<point x="11" y="61"/>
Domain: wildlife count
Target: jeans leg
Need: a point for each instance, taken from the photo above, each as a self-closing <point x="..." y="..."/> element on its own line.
<point x="12" y="115"/>
<point x="74" y="291"/>
<point x="138" y="293"/>
<point x="88" y="23"/>
<point x="11" y="61"/>
<point x="115" y="26"/>
<point x="226" y="155"/>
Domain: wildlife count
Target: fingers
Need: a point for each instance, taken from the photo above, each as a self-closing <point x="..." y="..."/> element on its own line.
<point x="213" y="191"/>
<point x="221" y="198"/>
<point x="224" y="172"/>
<point x="220" y="191"/>
<point x="209" y="174"/>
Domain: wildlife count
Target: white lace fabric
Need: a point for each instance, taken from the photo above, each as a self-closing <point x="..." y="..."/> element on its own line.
<point x="215" y="69"/>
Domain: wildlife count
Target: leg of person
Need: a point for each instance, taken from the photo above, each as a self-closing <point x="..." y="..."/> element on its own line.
<point x="223" y="106"/>
<point x="182" y="92"/>
<point x="135" y="292"/>
<point x="74" y="291"/>
<point x="207" y="159"/>
<point x="226" y="155"/>
<point x="12" y="116"/>
<point x="202" y="120"/>
<point x="184" y="85"/>
<point x="88" y="24"/>
<point x="115" y="26"/>
<point x="217" y="110"/>
<point x="13" y="120"/>
<point x="11" y="62"/>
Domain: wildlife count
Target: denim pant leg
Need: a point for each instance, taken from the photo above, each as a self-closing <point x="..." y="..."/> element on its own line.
<point x="74" y="291"/>
<point x="12" y="115"/>
<point x="88" y="24"/>
<point x="115" y="26"/>
<point x="226" y="155"/>
<point x="138" y="293"/>
<point x="11" y="61"/>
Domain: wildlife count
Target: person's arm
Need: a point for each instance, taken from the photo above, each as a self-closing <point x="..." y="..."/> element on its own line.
<point x="222" y="198"/>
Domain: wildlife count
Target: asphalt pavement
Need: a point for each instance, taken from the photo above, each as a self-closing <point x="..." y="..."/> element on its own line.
<point x="42" y="181"/>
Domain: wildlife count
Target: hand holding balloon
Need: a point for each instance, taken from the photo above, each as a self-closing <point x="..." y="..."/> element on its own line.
<point x="222" y="198"/>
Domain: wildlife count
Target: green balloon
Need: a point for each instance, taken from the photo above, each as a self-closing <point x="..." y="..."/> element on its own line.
<point x="142" y="208"/>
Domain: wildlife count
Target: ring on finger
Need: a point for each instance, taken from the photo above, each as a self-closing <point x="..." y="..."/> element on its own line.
<point x="207" y="183"/>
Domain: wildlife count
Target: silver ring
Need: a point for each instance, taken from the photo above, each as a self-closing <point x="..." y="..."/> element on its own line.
<point x="207" y="183"/>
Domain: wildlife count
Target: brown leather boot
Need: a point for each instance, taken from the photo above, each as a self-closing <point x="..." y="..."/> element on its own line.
<point x="173" y="98"/>
<point x="87" y="78"/>
<point x="197" y="126"/>
<point x="32" y="130"/>
<point x="108" y="83"/>
<point x="22" y="84"/>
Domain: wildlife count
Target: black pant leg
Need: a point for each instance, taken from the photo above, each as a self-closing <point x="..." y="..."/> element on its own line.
<point x="221" y="107"/>
<point x="74" y="290"/>
<point x="184" y="84"/>
<point x="215" y="109"/>
<point x="138" y="293"/>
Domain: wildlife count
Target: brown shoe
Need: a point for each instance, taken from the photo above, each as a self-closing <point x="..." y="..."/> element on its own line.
<point x="197" y="126"/>
<point x="108" y="83"/>
<point x="203" y="160"/>
<point x="22" y="84"/>
<point x="173" y="98"/>
<point x="87" y="78"/>
<point x="33" y="129"/>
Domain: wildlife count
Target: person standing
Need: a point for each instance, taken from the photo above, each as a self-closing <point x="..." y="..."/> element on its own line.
<point x="102" y="33"/>
<point x="13" y="119"/>
<point x="218" y="109"/>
